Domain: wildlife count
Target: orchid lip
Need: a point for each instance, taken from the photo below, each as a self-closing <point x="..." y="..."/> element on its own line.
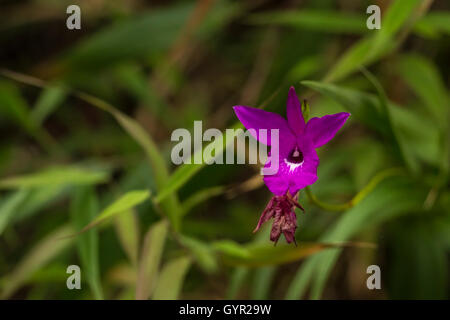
<point x="292" y="166"/>
<point x="295" y="159"/>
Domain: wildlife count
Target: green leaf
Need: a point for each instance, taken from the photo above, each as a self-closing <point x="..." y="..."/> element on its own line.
<point x="135" y="81"/>
<point x="418" y="135"/>
<point x="434" y="23"/>
<point x="138" y="134"/>
<point x="36" y="258"/>
<point x="424" y="78"/>
<point x="199" y="197"/>
<point x="360" y="54"/>
<point x="325" y="21"/>
<point x="127" y="228"/>
<point x="47" y="102"/>
<point x="124" y="203"/>
<point x="368" y="157"/>
<point x="305" y="68"/>
<point x="364" y="107"/>
<point x="202" y="252"/>
<point x="396" y="16"/>
<point x="186" y="171"/>
<point x="160" y="171"/>
<point x="24" y="203"/>
<point x="256" y="255"/>
<point x="55" y="176"/>
<point x="261" y="282"/>
<point x="137" y="37"/>
<point x="171" y="279"/>
<point x="231" y="249"/>
<point x="305" y="110"/>
<point x="83" y="209"/>
<point x="374" y="46"/>
<point x="38" y="199"/>
<point x="14" y="106"/>
<point x="150" y="259"/>
<point x="416" y="243"/>
<point x="389" y="199"/>
<point x="301" y="280"/>
<point x="220" y="14"/>
<point x="10" y="206"/>
<point x="237" y="278"/>
<point x="399" y="145"/>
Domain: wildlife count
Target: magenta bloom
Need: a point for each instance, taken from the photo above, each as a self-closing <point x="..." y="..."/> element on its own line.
<point x="297" y="157"/>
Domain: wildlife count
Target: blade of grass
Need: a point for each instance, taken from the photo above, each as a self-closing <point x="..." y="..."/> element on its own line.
<point x="171" y="205"/>
<point x="202" y="252"/>
<point x="38" y="199"/>
<point x="237" y="279"/>
<point x="47" y="102"/>
<point x="200" y="197"/>
<point x="424" y="78"/>
<point x="378" y="178"/>
<point x="150" y="259"/>
<point x="186" y="171"/>
<point x="365" y="108"/>
<point x="372" y="47"/>
<point x="257" y="255"/>
<point x="137" y="37"/>
<point x="391" y="198"/>
<point x="397" y="142"/>
<point x="160" y="171"/>
<point x="56" y="176"/>
<point x="261" y="283"/>
<point x="83" y="209"/>
<point x="37" y="257"/>
<point x="9" y="207"/>
<point x="371" y="110"/>
<point x="123" y="204"/>
<point x="434" y="24"/>
<point x="316" y="20"/>
<point x="15" y="107"/>
<point x="135" y="81"/>
<point x="171" y="279"/>
<point x="127" y="228"/>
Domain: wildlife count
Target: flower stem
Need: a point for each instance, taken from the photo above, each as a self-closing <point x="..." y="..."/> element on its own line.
<point x="379" y="177"/>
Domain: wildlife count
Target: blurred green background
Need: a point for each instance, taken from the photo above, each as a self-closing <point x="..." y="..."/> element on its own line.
<point x="86" y="118"/>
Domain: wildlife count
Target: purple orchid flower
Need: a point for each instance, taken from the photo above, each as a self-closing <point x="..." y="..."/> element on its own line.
<point x="297" y="157"/>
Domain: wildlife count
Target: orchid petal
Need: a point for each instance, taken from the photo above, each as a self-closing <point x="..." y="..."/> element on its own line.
<point x="292" y="177"/>
<point x="257" y="119"/>
<point x="294" y="113"/>
<point x="266" y="215"/>
<point x="306" y="179"/>
<point x="321" y="130"/>
<point x="277" y="184"/>
<point x="306" y="174"/>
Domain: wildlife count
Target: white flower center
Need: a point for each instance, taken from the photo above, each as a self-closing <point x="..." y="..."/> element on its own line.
<point x="292" y="166"/>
